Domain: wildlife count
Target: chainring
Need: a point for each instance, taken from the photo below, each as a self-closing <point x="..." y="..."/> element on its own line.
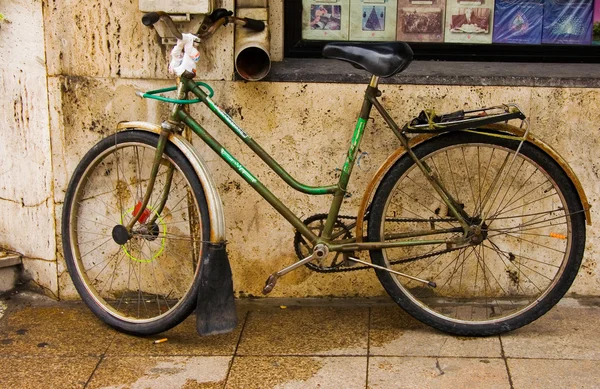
<point x="316" y="223"/>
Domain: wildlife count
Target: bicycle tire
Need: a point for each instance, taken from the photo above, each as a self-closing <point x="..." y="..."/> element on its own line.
<point x="150" y="283"/>
<point x="533" y="241"/>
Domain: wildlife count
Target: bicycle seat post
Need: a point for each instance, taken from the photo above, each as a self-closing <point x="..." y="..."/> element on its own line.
<point x="374" y="81"/>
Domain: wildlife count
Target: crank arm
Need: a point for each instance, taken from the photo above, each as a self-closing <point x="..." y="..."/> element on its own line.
<point x="319" y="252"/>
<point x="429" y="283"/>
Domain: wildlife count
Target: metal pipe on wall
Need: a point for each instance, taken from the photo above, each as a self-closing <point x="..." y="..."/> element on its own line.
<point x="252" y="49"/>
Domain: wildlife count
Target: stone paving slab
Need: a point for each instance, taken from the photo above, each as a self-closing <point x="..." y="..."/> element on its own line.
<point x="555" y="374"/>
<point x="46" y="371"/>
<point x="181" y="340"/>
<point x="161" y="372"/>
<point x="394" y="332"/>
<point x="437" y="373"/>
<point x="563" y="333"/>
<point x="298" y="373"/>
<point x="49" y="344"/>
<point x="61" y="329"/>
<point x="306" y="331"/>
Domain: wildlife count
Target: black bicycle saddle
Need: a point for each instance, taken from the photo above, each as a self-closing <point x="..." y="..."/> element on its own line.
<point x="379" y="59"/>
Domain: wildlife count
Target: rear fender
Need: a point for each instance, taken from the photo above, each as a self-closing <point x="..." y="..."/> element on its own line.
<point x="501" y="127"/>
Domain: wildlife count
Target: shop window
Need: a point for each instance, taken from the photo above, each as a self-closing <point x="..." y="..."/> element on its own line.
<point x="512" y="30"/>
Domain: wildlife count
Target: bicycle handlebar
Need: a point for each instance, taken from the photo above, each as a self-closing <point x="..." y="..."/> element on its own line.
<point x="221" y="17"/>
<point x="152" y="17"/>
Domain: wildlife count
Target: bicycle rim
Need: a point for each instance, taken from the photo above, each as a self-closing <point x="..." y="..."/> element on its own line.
<point x="150" y="276"/>
<point x="526" y="223"/>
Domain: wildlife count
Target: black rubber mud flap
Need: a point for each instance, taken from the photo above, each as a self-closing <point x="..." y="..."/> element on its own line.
<point x="215" y="312"/>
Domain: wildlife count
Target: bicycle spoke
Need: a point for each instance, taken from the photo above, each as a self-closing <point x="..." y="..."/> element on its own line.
<point x="97" y="247"/>
<point x="504" y="210"/>
<point x="452" y="176"/>
<point x="534" y="243"/>
<point x="533" y="283"/>
<point x="509" y="187"/>
<point x="448" y="281"/>
<point x="469" y="177"/>
<point x="479" y="209"/>
<point x="512" y="200"/>
<point x="491" y="189"/>
<point x="528" y="203"/>
<point x="121" y="255"/>
<point x="99" y="214"/>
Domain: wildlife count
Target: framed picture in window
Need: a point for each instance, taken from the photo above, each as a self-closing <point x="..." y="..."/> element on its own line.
<point x="421" y="20"/>
<point x="518" y="21"/>
<point x="568" y="22"/>
<point x="325" y="19"/>
<point x="469" y="21"/>
<point x="373" y="20"/>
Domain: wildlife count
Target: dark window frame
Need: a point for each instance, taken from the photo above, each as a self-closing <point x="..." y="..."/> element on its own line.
<point x="296" y="47"/>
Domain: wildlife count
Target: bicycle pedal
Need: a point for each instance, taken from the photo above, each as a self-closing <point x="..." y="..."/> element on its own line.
<point x="270" y="284"/>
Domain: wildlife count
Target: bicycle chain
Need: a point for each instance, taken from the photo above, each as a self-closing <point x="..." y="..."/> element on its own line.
<point x="319" y="269"/>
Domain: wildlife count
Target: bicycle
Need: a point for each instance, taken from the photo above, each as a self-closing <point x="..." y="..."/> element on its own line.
<point x="473" y="226"/>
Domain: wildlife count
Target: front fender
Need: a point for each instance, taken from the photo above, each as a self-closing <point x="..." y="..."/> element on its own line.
<point x="505" y="128"/>
<point x="213" y="200"/>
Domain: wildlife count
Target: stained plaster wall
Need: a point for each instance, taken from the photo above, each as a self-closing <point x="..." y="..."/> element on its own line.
<point x="98" y="54"/>
<point x="27" y="223"/>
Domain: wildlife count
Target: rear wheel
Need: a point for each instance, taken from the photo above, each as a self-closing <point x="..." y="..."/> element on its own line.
<point x="147" y="282"/>
<point x="516" y="268"/>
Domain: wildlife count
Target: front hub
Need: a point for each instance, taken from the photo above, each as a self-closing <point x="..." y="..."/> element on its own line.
<point x="134" y="243"/>
<point x="120" y="234"/>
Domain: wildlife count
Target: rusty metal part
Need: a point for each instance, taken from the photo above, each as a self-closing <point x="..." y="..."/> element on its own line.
<point x="213" y="200"/>
<point x="506" y="128"/>
<point x="207" y="29"/>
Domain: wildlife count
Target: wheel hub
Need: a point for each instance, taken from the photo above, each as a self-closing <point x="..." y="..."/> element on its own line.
<point x="149" y="232"/>
<point x="120" y="234"/>
<point x="478" y="233"/>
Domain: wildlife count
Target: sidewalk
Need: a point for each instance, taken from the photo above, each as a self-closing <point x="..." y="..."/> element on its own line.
<point x="314" y="344"/>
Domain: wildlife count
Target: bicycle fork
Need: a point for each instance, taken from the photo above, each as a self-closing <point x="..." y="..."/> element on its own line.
<point x="140" y="208"/>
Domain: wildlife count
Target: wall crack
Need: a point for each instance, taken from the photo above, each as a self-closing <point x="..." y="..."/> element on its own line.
<point x="22" y="203"/>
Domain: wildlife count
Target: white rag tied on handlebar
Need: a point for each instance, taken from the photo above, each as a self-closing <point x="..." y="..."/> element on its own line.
<point x="184" y="55"/>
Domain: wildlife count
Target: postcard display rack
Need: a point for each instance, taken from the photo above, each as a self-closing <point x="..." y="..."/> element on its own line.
<point x="530" y="22"/>
<point x="469" y="21"/>
<point x="421" y="20"/>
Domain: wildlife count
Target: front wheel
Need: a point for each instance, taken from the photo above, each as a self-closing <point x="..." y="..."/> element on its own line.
<point x="519" y="263"/>
<point x="148" y="282"/>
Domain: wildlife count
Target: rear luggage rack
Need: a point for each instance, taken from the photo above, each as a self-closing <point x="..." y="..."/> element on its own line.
<point x="428" y="121"/>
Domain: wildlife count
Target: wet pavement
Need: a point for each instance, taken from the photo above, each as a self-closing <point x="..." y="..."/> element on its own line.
<point x="295" y="344"/>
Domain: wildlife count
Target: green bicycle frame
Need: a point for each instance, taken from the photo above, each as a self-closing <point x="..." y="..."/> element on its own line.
<point x="338" y="191"/>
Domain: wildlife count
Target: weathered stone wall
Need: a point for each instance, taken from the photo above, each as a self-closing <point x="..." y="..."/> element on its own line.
<point x="27" y="223"/>
<point x="98" y="54"/>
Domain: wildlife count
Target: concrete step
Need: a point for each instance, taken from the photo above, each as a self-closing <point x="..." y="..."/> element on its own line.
<point x="9" y="259"/>
<point x="9" y="270"/>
